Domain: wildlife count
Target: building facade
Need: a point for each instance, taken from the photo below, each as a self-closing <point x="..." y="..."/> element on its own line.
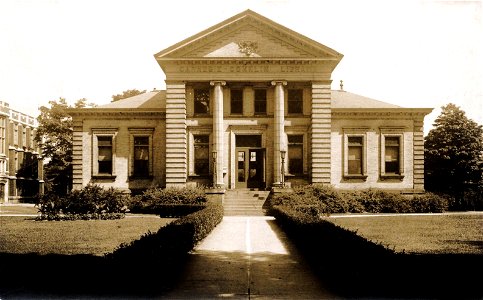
<point x="20" y="160"/>
<point x="248" y="104"/>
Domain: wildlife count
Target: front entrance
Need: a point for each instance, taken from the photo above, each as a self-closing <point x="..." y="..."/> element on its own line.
<point x="250" y="162"/>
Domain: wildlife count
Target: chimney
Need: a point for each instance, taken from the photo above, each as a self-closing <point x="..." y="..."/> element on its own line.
<point x="341" y="85"/>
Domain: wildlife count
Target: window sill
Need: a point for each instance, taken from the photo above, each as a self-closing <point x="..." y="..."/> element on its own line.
<point x="392" y="177"/>
<point x="360" y="177"/>
<point x="104" y="176"/>
<point x="200" y="176"/>
<point x="141" y="177"/>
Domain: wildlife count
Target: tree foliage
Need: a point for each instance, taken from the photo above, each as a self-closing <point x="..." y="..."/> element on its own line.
<point x="127" y="94"/>
<point x="54" y="135"/>
<point x="453" y="153"/>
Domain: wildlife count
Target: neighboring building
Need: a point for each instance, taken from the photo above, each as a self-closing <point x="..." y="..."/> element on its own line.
<point x="20" y="161"/>
<point x="248" y="104"/>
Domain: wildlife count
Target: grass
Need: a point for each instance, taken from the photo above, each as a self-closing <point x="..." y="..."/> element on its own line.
<point x="422" y="234"/>
<point x="21" y="235"/>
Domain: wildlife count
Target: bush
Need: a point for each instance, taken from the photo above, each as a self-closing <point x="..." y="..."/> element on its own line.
<point x="316" y="198"/>
<point x="169" y="201"/>
<point x="172" y="241"/>
<point x="91" y="202"/>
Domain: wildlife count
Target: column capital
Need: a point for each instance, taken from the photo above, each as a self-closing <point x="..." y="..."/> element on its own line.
<point x="279" y="82"/>
<point x="218" y="82"/>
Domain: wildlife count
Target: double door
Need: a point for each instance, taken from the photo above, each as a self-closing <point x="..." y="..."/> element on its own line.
<point x="250" y="168"/>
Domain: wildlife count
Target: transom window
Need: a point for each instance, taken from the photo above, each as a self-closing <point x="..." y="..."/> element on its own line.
<point x="202" y="101"/>
<point x="295" y="101"/>
<point x="295" y="154"/>
<point x="201" y="154"/>
<point x="236" y="101"/>
<point x="260" y="101"/>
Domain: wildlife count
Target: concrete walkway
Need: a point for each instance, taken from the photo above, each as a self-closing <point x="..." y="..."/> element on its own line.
<point x="247" y="258"/>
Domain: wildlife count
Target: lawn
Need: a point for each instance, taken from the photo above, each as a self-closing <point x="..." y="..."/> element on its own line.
<point x="420" y="234"/>
<point x="20" y="235"/>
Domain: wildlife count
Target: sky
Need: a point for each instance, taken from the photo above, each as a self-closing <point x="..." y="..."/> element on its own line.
<point x="412" y="53"/>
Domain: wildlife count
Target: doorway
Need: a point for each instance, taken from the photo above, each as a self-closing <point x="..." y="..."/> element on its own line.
<point x="250" y="162"/>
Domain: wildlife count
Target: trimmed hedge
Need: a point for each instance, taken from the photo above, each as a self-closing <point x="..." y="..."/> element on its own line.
<point x="169" y="202"/>
<point x="173" y="241"/>
<point x="90" y="202"/>
<point x="324" y="199"/>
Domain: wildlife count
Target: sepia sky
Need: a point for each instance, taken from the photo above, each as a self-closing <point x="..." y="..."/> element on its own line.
<point x="412" y="53"/>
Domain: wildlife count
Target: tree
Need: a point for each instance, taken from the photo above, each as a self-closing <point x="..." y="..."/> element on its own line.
<point x="54" y="135"/>
<point x="453" y="153"/>
<point x="127" y="94"/>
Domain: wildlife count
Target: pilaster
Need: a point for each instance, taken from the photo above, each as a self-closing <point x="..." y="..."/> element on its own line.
<point x="418" y="154"/>
<point x="77" y="148"/>
<point x="321" y="133"/>
<point x="176" y="144"/>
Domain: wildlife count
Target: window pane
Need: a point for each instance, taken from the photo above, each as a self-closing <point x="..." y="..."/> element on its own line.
<point x="260" y="101"/>
<point x="295" y="101"/>
<point x="236" y="101"/>
<point x="295" y="159"/>
<point x="202" y="101"/>
<point x="355" y="160"/>
<point x="201" y="154"/>
<point x="392" y="159"/>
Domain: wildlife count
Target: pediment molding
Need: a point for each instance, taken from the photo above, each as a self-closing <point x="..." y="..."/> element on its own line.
<point x="248" y="27"/>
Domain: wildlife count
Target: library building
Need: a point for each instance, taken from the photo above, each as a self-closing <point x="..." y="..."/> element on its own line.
<point x="249" y="104"/>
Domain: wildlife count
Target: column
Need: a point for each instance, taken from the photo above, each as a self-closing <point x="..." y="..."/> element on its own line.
<point x="218" y="131"/>
<point x="321" y="132"/>
<point x="176" y="144"/>
<point x="278" y="131"/>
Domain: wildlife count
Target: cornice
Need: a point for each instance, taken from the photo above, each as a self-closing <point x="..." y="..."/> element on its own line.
<point x="383" y="113"/>
<point x="93" y="112"/>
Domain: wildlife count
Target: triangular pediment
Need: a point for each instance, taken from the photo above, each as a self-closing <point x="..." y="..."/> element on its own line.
<point x="246" y="35"/>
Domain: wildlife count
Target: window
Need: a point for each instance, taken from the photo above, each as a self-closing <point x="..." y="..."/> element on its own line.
<point x="295" y="101"/>
<point x="201" y="154"/>
<point x="141" y="152"/>
<point x="354" y="160"/>
<point x="295" y="154"/>
<point x="104" y="156"/>
<point x="260" y="101"/>
<point x="355" y="153"/>
<point x="392" y="156"/>
<point x="103" y="152"/>
<point x="236" y="101"/>
<point x="202" y="101"/>
<point x="141" y="156"/>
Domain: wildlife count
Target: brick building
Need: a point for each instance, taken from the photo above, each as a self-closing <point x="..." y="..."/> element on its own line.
<point x="21" y="175"/>
<point x="248" y="104"/>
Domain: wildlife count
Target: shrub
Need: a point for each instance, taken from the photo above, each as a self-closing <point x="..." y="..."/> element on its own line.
<point x="320" y="199"/>
<point x="429" y="202"/>
<point x="169" y="201"/>
<point x="91" y="202"/>
<point x="173" y="240"/>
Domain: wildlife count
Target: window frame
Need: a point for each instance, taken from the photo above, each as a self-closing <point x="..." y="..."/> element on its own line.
<point x="259" y="113"/>
<point x="298" y="144"/>
<point x="208" y="106"/>
<point x="355" y="132"/>
<point x="289" y="101"/>
<point x="140" y="132"/>
<point x="95" y="152"/>
<point x="385" y="175"/>
<point x="240" y="90"/>
<point x="191" y="153"/>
